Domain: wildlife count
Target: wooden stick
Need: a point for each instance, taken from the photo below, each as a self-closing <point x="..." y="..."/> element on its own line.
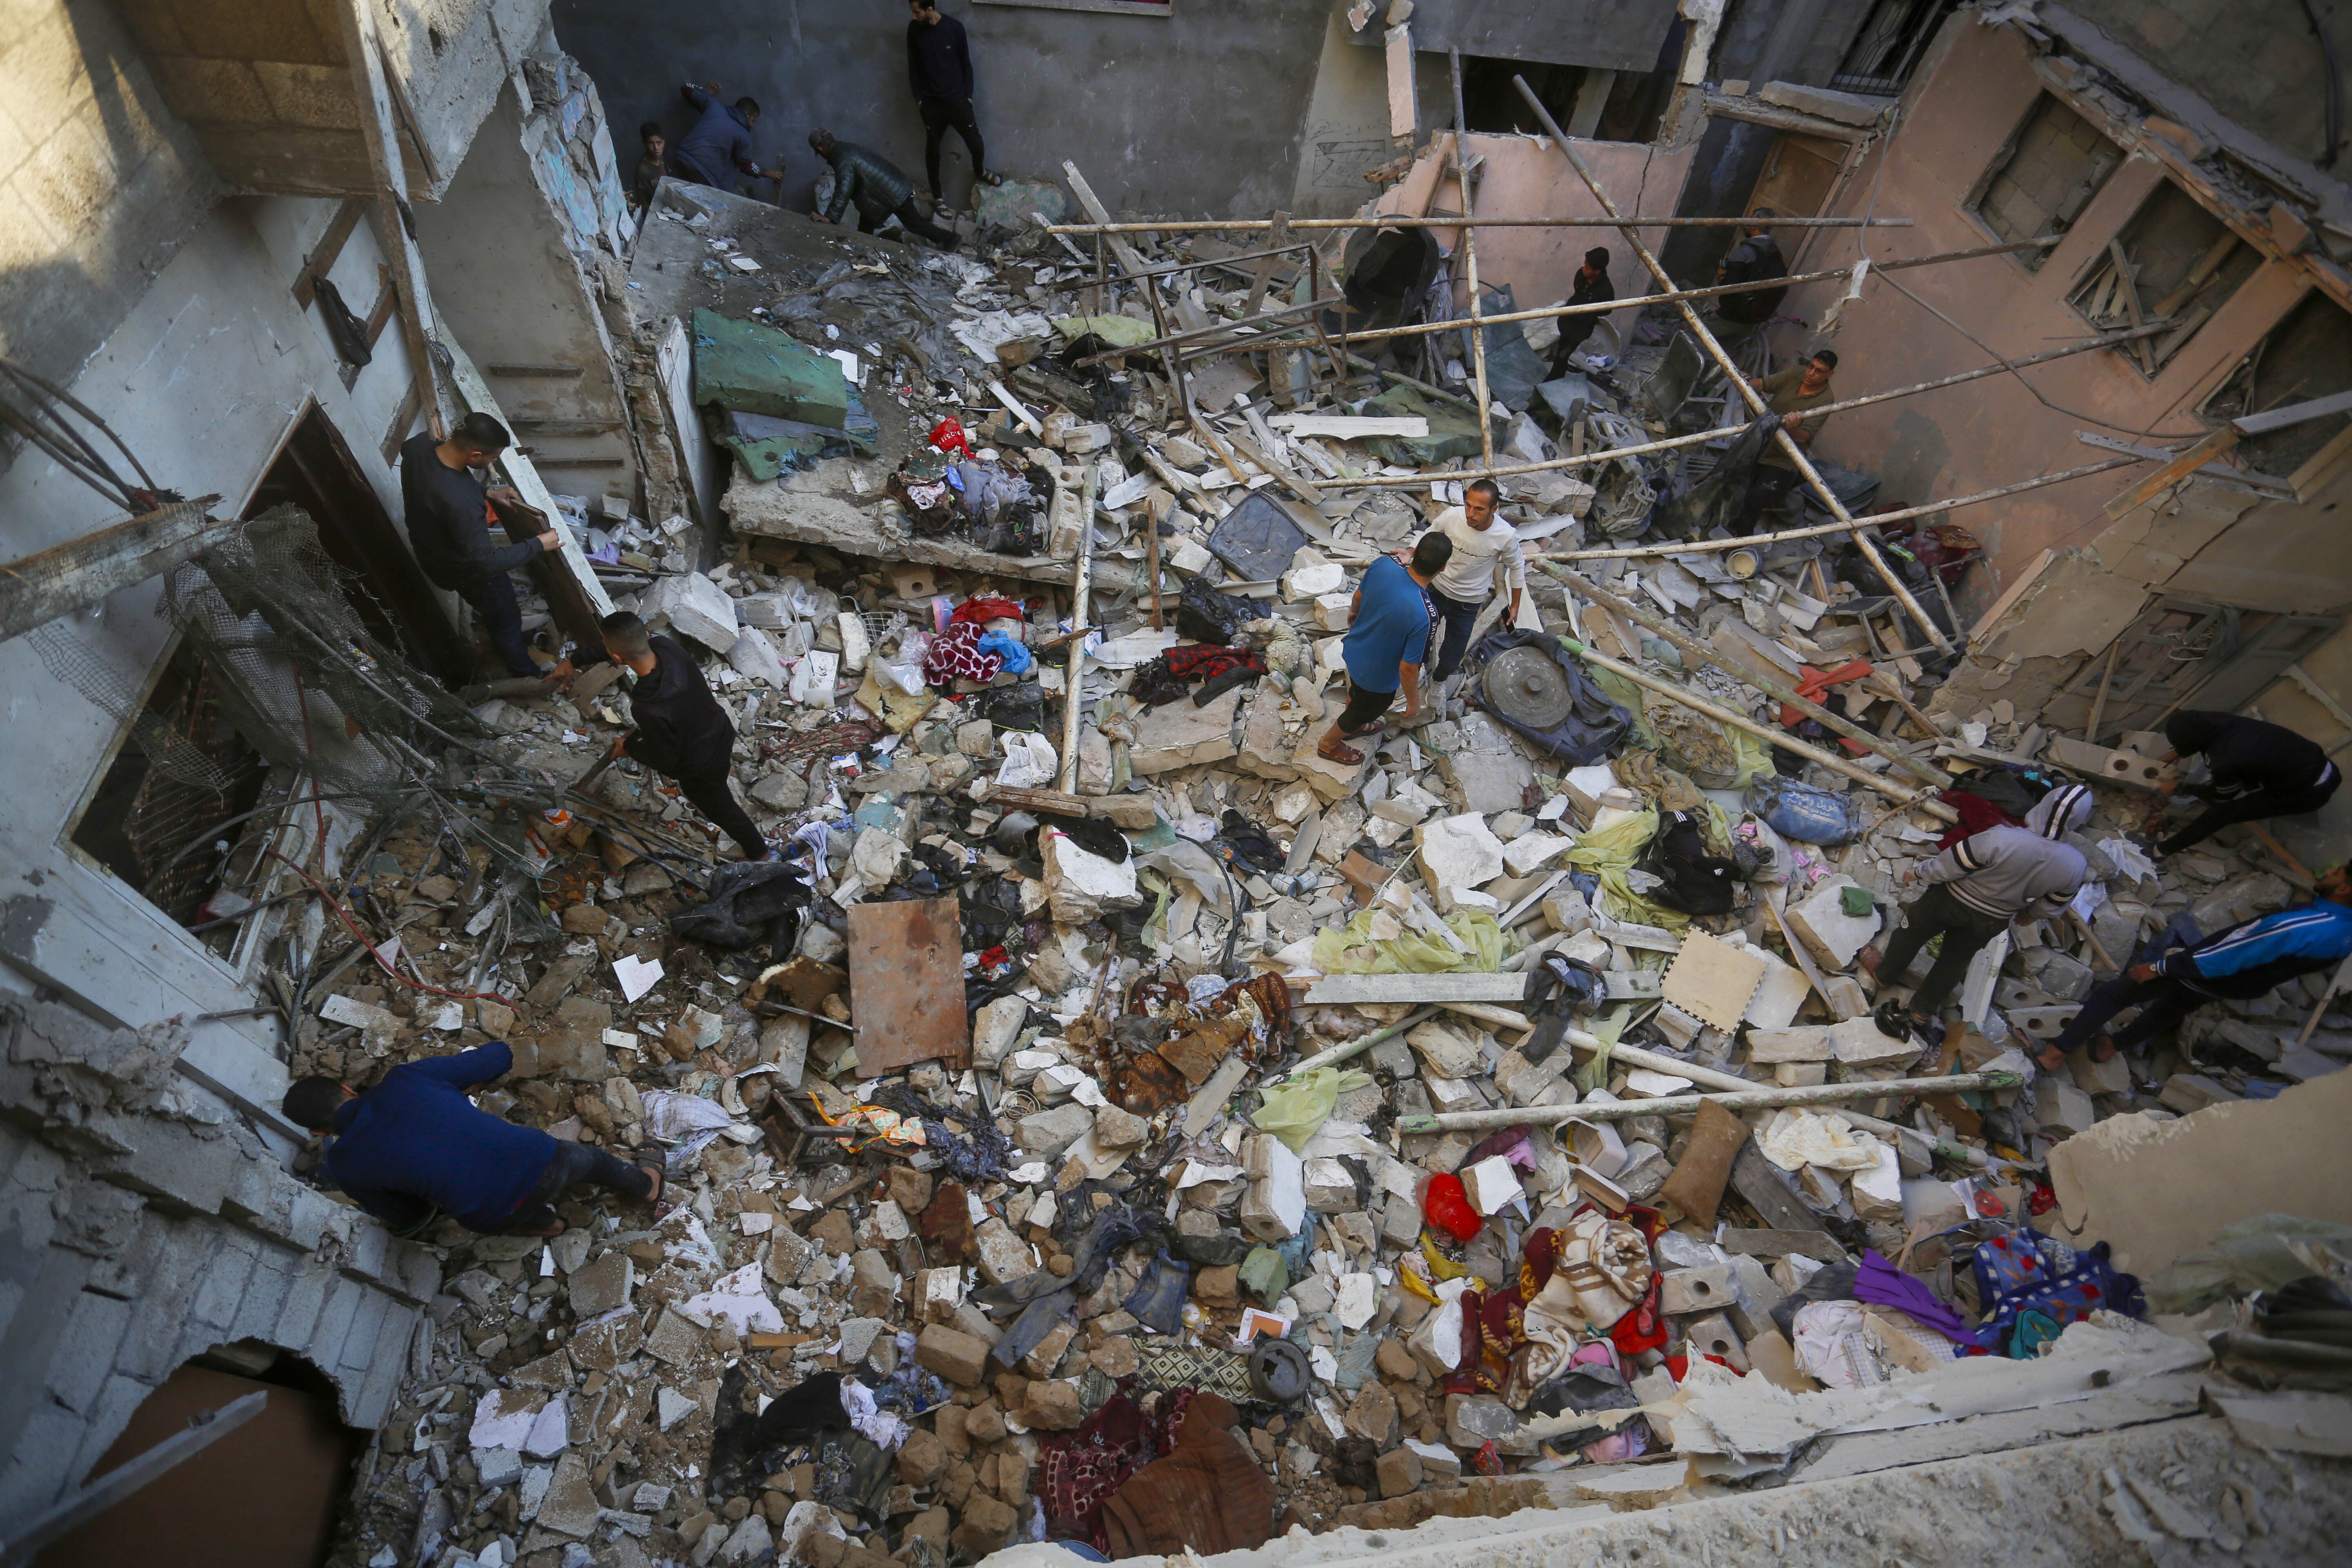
<point x="1755" y="1098"/>
<point x="2279" y="849"/>
<point x="1811" y="752"/>
<point x="2099" y="703"/>
<point x="1391" y="220"/>
<point x="1470" y="260"/>
<point x="1699" y="650"/>
<point x="2092" y="937"/>
<point x="1082" y="581"/>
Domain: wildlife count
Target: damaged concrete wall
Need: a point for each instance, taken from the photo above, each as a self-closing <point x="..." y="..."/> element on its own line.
<point x="1196" y="114"/>
<point x="100" y="181"/>
<point x="2154" y="1189"/>
<point x="141" y="1225"/>
<point x="2258" y="61"/>
<point x="1525" y="176"/>
<point x="1958" y="114"/>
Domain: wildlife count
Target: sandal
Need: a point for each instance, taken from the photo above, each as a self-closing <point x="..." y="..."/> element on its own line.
<point x="1339" y="752"/>
<point x="2052" y="1060"/>
<point x="661" y="1184"/>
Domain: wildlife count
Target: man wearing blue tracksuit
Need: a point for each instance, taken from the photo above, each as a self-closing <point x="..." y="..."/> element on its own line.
<point x="2246" y="959"/>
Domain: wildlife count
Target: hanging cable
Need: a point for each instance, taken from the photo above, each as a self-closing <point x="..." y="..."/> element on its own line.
<point x="2331" y="88"/>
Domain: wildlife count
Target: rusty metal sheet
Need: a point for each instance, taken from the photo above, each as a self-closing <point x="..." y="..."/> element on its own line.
<point x="906" y="985"/>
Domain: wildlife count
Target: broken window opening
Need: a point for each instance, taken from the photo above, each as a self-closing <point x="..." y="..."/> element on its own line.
<point x="2185" y="653"/>
<point x="181" y="770"/>
<point x="2173" y="259"/>
<point x="1588" y="102"/>
<point x="1887" y="47"/>
<point x="2043" y="178"/>
<point x="2308" y="355"/>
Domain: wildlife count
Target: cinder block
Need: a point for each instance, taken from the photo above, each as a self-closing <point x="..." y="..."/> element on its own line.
<point x="2044" y="1022"/>
<point x="369" y="1258"/>
<point x="1714" y="1336"/>
<point x="1702" y="1290"/>
<point x="306" y="1294"/>
<point x="366" y="1321"/>
<point x="177" y="1169"/>
<point x="42" y="1463"/>
<point x="2103" y="763"/>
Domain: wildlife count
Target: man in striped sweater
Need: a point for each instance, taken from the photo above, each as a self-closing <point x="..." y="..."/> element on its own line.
<point x="1980" y="885"/>
<point x="2244" y="961"/>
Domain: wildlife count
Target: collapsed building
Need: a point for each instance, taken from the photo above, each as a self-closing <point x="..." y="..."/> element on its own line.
<point x="1117" y="1120"/>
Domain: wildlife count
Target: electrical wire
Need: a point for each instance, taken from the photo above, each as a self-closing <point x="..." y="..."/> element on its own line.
<point x="360" y="937"/>
<point x="45" y="428"/>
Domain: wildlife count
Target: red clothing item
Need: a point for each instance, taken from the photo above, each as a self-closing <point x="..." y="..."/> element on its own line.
<point x="985" y="610"/>
<point x="1977" y="813"/>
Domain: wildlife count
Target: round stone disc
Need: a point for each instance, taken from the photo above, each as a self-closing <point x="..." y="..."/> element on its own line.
<point x="1528" y="688"/>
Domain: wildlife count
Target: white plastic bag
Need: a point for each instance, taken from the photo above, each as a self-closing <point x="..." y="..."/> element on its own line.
<point x="1029" y="762"/>
<point x="904" y="668"/>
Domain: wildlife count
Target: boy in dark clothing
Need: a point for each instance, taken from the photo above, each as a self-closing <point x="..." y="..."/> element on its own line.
<point x="680" y="730"/>
<point x="879" y="188"/>
<point x="1755" y="258"/>
<point x="2241" y="963"/>
<point x="938" y="71"/>
<point x="447" y="509"/>
<point x="651" y="167"/>
<point x="721" y="140"/>
<point x="2260" y="771"/>
<point x="415" y="1143"/>
<point x="1592" y="287"/>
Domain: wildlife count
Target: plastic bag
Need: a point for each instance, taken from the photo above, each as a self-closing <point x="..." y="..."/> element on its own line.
<point x="1351" y="950"/>
<point x="904" y="668"/>
<point x="1296" y="1111"/>
<point x="1445" y="1205"/>
<point x="1800" y="811"/>
<point x="1029" y="762"/>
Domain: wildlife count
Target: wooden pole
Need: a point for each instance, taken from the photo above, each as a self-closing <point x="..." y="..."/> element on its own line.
<point x="1811" y="752"/>
<point x="2099" y="703"/>
<point x="1470" y="261"/>
<point x="377" y="133"/>
<point x="1081" y="585"/>
<point x="1588" y="459"/>
<point x="1699" y="650"/>
<point x="1755" y="1098"/>
<point x="1754" y="399"/>
<point x="1392" y="220"/>
<point x="1714" y="546"/>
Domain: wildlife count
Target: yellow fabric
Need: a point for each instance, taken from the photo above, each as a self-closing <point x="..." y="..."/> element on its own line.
<point x="1351" y="950"/>
<point x="1296" y="1111"/>
<point x="1609" y="853"/>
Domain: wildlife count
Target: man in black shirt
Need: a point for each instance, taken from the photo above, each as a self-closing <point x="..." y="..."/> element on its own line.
<point x="939" y="69"/>
<point x="1753" y="260"/>
<point x="1592" y="287"/>
<point x="2260" y="770"/>
<point x="447" y="506"/>
<point x="681" y="731"/>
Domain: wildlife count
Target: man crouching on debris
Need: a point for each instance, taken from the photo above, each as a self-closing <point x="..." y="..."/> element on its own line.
<point x="1387" y="637"/>
<point x="879" y="187"/>
<point x="680" y="730"/>
<point x="416" y="1143"/>
<point x="1983" y="883"/>
<point x="446" y="502"/>
<point x="2245" y="962"/>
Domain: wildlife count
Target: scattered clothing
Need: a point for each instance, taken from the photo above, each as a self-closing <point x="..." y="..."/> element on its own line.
<point x="1209" y="1494"/>
<point x="956" y="655"/>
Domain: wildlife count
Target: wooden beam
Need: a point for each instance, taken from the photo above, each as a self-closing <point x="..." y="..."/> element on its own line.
<point x="2173" y="472"/>
<point x="1367" y="990"/>
<point x="363" y="50"/>
<point x="330" y="248"/>
<point x="2293" y="414"/>
<point x="36" y="589"/>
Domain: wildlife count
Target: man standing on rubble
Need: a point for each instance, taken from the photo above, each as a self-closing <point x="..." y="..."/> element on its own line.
<point x="415" y="1143"/>
<point x="1754" y="259"/>
<point x="2246" y="961"/>
<point x="1592" y="288"/>
<point x="1482" y="543"/>
<point x="1981" y="884"/>
<point x="879" y="188"/>
<point x="680" y="731"/>
<point x="447" y="509"/>
<point x="1387" y="637"/>
<point x="721" y="140"/>
<point x="1788" y="393"/>
<point x="939" y="69"/>
<point x="2259" y="769"/>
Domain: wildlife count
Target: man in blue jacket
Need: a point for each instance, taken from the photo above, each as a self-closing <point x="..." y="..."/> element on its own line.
<point x="874" y="186"/>
<point x="2246" y="961"/>
<point x="416" y="1143"/>
<point x="938" y="71"/>
<point x="721" y="140"/>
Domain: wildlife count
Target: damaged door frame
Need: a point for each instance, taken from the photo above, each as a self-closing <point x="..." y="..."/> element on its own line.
<point x="2140" y="656"/>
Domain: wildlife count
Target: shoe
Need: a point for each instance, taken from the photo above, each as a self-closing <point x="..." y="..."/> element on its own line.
<point x="989" y="177"/>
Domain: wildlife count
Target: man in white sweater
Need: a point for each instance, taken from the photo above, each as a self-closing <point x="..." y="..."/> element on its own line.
<point x="1484" y="544"/>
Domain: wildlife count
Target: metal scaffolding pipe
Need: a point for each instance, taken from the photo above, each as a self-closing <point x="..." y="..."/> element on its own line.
<point x="1758" y="1099"/>
<point x="1244" y="225"/>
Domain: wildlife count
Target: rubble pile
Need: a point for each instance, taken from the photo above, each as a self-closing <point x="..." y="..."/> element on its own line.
<point x="1168" y="1241"/>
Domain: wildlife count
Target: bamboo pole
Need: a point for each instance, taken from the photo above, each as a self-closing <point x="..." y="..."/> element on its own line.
<point x="1716" y="290"/>
<point x="1714" y="546"/>
<point x="1081" y="585"/>
<point x="1782" y="738"/>
<point x="1699" y="650"/>
<point x="1254" y="224"/>
<point x="1688" y="1104"/>
<point x="1470" y="260"/>
<point x="1754" y="399"/>
<point x="1590" y="459"/>
<point x="1362" y="1043"/>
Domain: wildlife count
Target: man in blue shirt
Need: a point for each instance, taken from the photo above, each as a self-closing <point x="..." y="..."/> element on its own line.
<point x="719" y="141"/>
<point x="1388" y="638"/>
<point x="2243" y="962"/>
<point x="415" y="1143"/>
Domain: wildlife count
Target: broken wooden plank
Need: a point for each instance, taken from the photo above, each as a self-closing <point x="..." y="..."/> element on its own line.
<point x="1817" y="1245"/>
<point x="1365" y="990"/>
<point x="36" y="589"/>
<point x="2272" y="419"/>
<point x="2173" y="472"/>
<point x="906" y="985"/>
<point x="1753" y="1179"/>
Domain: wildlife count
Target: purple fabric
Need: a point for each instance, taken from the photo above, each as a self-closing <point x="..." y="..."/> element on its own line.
<point x="1880" y="1282"/>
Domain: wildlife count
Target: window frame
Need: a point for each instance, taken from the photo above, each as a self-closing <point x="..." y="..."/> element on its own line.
<point x="2102" y="257"/>
<point x="1972" y="202"/>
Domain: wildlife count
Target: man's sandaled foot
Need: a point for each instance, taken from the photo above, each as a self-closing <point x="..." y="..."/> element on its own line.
<point x="660" y="1180"/>
<point x="1339" y="752"/>
<point x="1868" y="958"/>
<point x="558" y="1228"/>
<point x="2052" y="1060"/>
<point x="2102" y="1049"/>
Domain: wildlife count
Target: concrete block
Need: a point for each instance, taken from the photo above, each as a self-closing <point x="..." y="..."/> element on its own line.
<point x="1179" y="735"/>
<point x="1491" y="1184"/>
<point x="1828" y="934"/>
<point x="1486" y="767"/>
<point x="1806" y="1043"/>
<point x="1857" y="1042"/>
<point x="358" y="1348"/>
<point x="697" y="608"/>
<point x="2061" y="1108"/>
<point x="1799" y="1075"/>
<point x="2043" y="1023"/>
<point x="1714" y="1336"/>
<point x="2103" y="763"/>
<point x="1457" y="853"/>
<point x="2110" y="1077"/>
<point x="1702" y="1290"/>
<point x="1877" y="1193"/>
<point x="177" y="1168"/>
<point x="79" y="1360"/>
<point x="223" y="1286"/>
